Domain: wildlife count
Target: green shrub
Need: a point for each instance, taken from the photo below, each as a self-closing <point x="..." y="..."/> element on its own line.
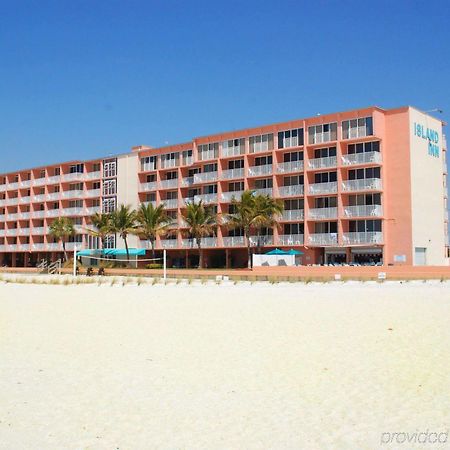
<point x="154" y="266"/>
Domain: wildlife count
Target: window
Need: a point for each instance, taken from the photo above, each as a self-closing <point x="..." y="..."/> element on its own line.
<point x="293" y="180"/>
<point x="169" y="160"/>
<point x="236" y="164"/>
<point x="96" y="185"/>
<point x="263" y="160"/>
<point x="364" y="226"/>
<point x="109" y="168"/>
<point x="264" y="183"/>
<point x="74" y="204"/>
<point x="290" y="138"/>
<point x="325" y="202"/>
<point x="96" y="167"/>
<point x="210" y="189"/>
<point x="172" y="175"/>
<point x="56" y="172"/>
<point x="75" y="187"/>
<point x="324" y="152"/>
<point x="325" y="227"/>
<point x="208" y="151"/>
<point x="171" y="195"/>
<point x="186" y="156"/>
<point x="109" y="205"/>
<point x="233" y="146"/>
<point x="261" y="143"/>
<point x="363" y="147"/>
<point x="356" y="128"/>
<point x="293" y="228"/>
<point x="364" y="199"/>
<point x="109" y="187"/>
<point x="210" y="168"/>
<point x="369" y="172"/>
<point x="150" y="197"/>
<point x="236" y="186"/>
<point x="150" y="178"/>
<point x="325" y="177"/>
<point x="42" y="173"/>
<point x="297" y="203"/>
<point x="76" y="168"/>
<point x="322" y="133"/>
<point x="293" y="156"/>
<point x="148" y="163"/>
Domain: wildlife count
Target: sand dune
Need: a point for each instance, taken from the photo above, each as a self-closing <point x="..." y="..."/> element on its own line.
<point x="243" y="366"/>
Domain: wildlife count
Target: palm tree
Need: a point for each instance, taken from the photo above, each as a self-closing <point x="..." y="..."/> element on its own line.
<point x="123" y="222"/>
<point x="201" y="221"/>
<point x="102" y="226"/>
<point x="152" y="222"/>
<point x="252" y="213"/>
<point x="62" y="229"/>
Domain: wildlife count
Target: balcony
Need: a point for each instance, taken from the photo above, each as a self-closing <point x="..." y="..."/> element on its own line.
<point x="363" y="211"/>
<point x="206" y="198"/>
<point x="24" y="215"/>
<point x="39" y="181"/>
<point x="38" y="214"/>
<point x="364" y="184"/>
<point x="187" y="161"/>
<point x="40" y="197"/>
<point x="170" y="203"/>
<point x="209" y="154"/>
<point x="92" y="193"/>
<point x="75" y="193"/>
<point x="24" y="231"/>
<point x="25" y="183"/>
<point x="169" y="243"/>
<point x="263" y="191"/>
<point x="291" y="191"/>
<point x="151" y="186"/>
<point x="148" y="167"/>
<point x="233" y="241"/>
<point x="261" y="241"/>
<point x="232" y="174"/>
<point x="92" y="210"/>
<point x="322" y="163"/>
<point x="12" y="232"/>
<point x="256" y="171"/>
<point x="367" y="237"/>
<point x="323" y="188"/>
<point x="323" y="213"/>
<point x="233" y="151"/>
<point x="52" y="212"/>
<point x="206" y="242"/>
<point x="169" y="184"/>
<point x="187" y="181"/>
<point x="323" y="239"/>
<point x="40" y="230"/>
<point x="13" y="186"/>
<point x="289" y="167"/>
<point x="187" y="200"/>
<point x="13" y="216"/>
<point x="2" y="217"/>
<point x="150" y="203"/>
<point x="3" y="188"/>
<point x="52" y="196"/>
<point x="55" y="179"/>
<point x="68" y="212"/>
<point x="205" y="177"/>
<point x="169" y="163"/>
<point x="290" y="239"/>
<point x="226" y="197"/>
<point x="292" y="215"/>
<point x="93" y="175"/>
<point x="76" y="176"/>
<point x="361" y="158"/>
<point x="38" y="246"/>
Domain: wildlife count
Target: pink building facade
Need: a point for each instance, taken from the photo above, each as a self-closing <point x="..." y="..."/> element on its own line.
<point x="364" y="186"/>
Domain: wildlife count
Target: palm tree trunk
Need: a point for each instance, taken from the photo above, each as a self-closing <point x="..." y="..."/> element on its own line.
<point x="152" y="243"/>
<point x="126" y="248"/>
<point x="249" y="252"/>
<point x="200" y="254"/>
<point x="64" y="249"/>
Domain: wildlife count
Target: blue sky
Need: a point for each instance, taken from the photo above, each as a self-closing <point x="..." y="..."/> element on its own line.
<point x="81" y="79"/>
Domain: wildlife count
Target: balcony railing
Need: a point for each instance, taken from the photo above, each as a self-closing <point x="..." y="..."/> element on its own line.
<point x="76" y="176"/>
<point x="52" y="196"/>
<point x="40" y="197"/>
<point x="40" y="181"/>
<point x="69" y="211"/>
<point x="318" y="163"/>
<point x="169" y="163"/>
<point x="206" y="198"/>
<point x="323" y="239"/>
<point x="361" y="158"/>
<point x="148" y="167"/>
<point x="151" y="186"/>
<point x="169" y="243"/>
<point x="25" y="183"/>
<point x="233" y="173"/>
<point x="93" y="175"/>
<point x="204" y="177"/>
<point x="264" y="191"/>
<point x="363" y="211"/>
<point x="38" y="246"/>
<point x="40" y="230"/>
<point x="323" y="213"/>
<point x="233" y="241"/>
<point x="38" y="214"/>
<point x="187" y="161"/>
<point x="187" y="181"/>
<point x="205" y="242"/>
<point x="260" y="241"/>
<point x="365" y="184"/>
<point x="53" y="212"/>
<point x="290" y="239"/>
<point x="93" y="210"/>
<point x="228" y="196"/>
<point x="291" y="191"/>
<point x="323" y="188"/>
<point x="233" y="151"/>
<point x="169" y="184"/>
<point x="292" y="215"/>
<point x="26" y="199"/>
<point x="171" y="203"/>
<point x="55" y="179"/>
<point x="92" y="193"/>
<point x="72" y="194"/>
<point x="209" y="154"/>
<point x="368" y="237"/>
<point x="255" y="171"/>
<point x="291" y="166"/>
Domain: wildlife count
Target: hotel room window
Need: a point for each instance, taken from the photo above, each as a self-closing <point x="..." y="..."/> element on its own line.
<point x="322" y="133"/>
<point x="208" y="151"/>
<point x="148" y="163"/>
<point x="293" y="156"/>
<point x="261" y="143"/>
<point x="324" y="152"/>
<point x="368" y="172"/>
<point x="76" y="168"/>
<point x="290" y="138"/>
<point x="233" y="147"/>
<point x="356" y="128"/>
<point x="109" y="205"/>
<point x="109" y="187"/>
<point x="109" y="169"/>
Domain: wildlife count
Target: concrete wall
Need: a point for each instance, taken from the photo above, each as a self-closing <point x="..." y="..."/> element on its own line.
<point x="427" y="190"/>
<point x="127" y="189"/>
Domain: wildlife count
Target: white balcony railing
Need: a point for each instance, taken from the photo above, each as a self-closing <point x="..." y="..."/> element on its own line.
<point x="233" y="151"/>
<point x="25" y="215"/>
<point x="323" y="239"/>
<point x="323" y="213"/>
<point x="187" y="161"/>
<point x="318" y="163"/>
<point x="260" y="241"/>
<point x="38" y="246"/>
<point x="169" y="163"/>
<point x="75" y="193"/>
<point x="53" y="212"/>
<point x="151" y="186"/>
<point x="55" y="179"/>
<point x="53" y="196"/>
<point x="93" y="175"/>
<point x="255" y="171"/>
<point x="228" y="196"/>
<point x="40" y="181"/>
<point x="291" y="191"/>
<point x="38" y="214"/>
<point x="187" y="181"/>
<point x="12" y="232"/>
<point x="89" y="211"/>
<point x="233" y="173"/>
<point x="361" y="158"/>
<point x="209" y="154"/>
<point x="233" y="241"/>
<point x="92" y="193"/>
<point x="13" y="186"/>
<point x="25" y="183"/>
<point x="26" y="199"/>
<point x="264" y="191"/>
<point x="13" y="216"/>
<point x="368" y="237"/>
<point x="290" y="239"/>
<point x="206" y="198"/>
<point x="76" y="176"/>
<point x="169" y="184"/>
<point x="40" y="230"/>
<point x="40" y="197"/>
<point x="170" y="203"/>
<point x="291" y="215"/>
<point x="363" y="211"/>
<point x="205" y="177"/>
<point x="24" y="231"/>
<point x="323" y="188"/>
<point x="365" y="184"/>
<point x="291" y="166"/>
<point x="169" y="243"/>
<point x="205" y="242"/>
<point x="70" y="211"/>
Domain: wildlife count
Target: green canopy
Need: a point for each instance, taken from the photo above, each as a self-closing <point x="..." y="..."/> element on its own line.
<point x="277" y="251"/>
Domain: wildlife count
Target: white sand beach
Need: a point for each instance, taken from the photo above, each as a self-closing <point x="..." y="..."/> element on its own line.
<point x="246" y="366"/>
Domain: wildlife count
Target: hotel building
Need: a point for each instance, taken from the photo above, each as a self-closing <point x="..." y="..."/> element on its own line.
<point x="367" y="185"/>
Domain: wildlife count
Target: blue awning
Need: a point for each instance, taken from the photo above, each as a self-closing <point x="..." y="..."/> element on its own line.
<point x="277" y="251"/>
<point x="112" y="252"/>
